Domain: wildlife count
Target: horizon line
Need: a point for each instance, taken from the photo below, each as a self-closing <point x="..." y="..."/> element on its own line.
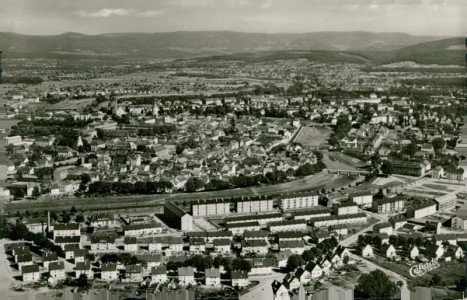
<point x="229" y="31"/>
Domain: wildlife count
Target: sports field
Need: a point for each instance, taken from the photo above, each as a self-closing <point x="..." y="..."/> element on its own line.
<point x="312" y="136"/>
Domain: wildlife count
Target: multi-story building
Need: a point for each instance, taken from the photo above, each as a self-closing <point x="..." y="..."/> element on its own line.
<point x="186" y="276"/>
<point x="254" y="204"/>
<point x="311" y="214"/>
<point x="256" y="235"/>
<point x="296" y="247"/>
<point x="177" y="217"/>
<point x="345" y="208"/>
<point x="287" y="225"/>
<point x="142" y="229"/>
<point x="298" y="200"/>
<point x="240" y="228"/>
<point x="84" y="268"/>
<point x="421" y="209"/>
<point x="103" y="243"/>
<point x="359" y="218"/>
<point x="386" y="205"/>
<point x="260" y="218"/>
<point x="103" y="220"/>
<point x="70" y="229"/>
<point x="455" y="174"/>
<point x="460" y="220"/>
<point x="240" y="278"/>
<point x="30" y="273"/>
<point x="408" y="168"/>
<point x="255" y="246"/>
<point x="109" y="272"/>
<point x="210" y="207"/>
<point x="57" y="270"/>
<point x="159" y="275"/>
<point x="222" y="246"/>
<point x="212" y="277"/>
<point x="364" y="199"/>
<point x="130" y="244"/>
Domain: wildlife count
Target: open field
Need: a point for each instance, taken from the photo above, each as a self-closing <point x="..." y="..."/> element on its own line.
<point x="71" y="104"/>
<point x="439" y="187"/>
<point x="337" y="160"/>
<point x="312" y="136"/>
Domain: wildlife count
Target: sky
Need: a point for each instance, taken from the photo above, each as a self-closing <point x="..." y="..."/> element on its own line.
<point x="417" y="17"/>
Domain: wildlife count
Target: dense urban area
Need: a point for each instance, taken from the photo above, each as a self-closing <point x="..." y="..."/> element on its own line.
<point x="272" y="177"/>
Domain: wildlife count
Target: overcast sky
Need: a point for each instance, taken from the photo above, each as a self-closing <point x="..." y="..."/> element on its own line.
<point x="418" y="17"/>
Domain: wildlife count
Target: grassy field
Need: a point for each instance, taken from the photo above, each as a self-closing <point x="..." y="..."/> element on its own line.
<point x="313" y="137"/>
<point x="71" y="104"/>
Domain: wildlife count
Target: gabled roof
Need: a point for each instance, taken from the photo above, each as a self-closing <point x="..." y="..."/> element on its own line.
<point x="188" y="271"/>
<point x="159" y="270"/>
<point x="110" y="267"/>
<point x="54" y="266"/>
<point x="239" y="275"/>
<point x="212" y="273"/>
<point x="30" y="269"/>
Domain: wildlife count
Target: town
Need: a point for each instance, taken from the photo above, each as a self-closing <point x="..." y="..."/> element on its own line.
<point x="284" y="179"/>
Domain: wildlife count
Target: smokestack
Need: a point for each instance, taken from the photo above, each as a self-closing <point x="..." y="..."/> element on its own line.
<point x="48" y="221"/>
<point x="1" y="71"/>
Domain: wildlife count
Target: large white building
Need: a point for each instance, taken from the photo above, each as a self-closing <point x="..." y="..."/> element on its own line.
<point x="460" y="220"/>
<point x="359" y="218"/>
<point x="210" y="207"/>
<point x="311" y="214"/>
<point x="362" y="199"/>
<point x="421" y="210"/>
<point x="287" y="225"/>
<point x="298" y="200"/>
<point x="177" y="217"/>
<point x="254" y="204"/>
<point x="142" y="229"/>
<point x="71" y="229"/>
<point x="345" y="208"/>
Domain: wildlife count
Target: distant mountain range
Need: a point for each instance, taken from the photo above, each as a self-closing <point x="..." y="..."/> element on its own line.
<point x="214" y="43"/>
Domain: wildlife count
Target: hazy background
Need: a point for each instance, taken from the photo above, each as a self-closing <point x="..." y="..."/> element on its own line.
<point x="417" y="17"/>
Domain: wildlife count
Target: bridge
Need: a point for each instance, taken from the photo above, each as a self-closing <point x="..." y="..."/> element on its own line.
<point x="348" y="172"/>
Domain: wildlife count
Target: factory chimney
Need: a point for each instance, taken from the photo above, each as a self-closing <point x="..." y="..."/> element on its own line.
<point x="1" y="71"/>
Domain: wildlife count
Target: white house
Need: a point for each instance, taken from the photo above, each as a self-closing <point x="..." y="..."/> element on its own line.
<point x="57" y="270"/>
<point x="367" y="251"/>
<point x="109" y="272"/>
<point x="30" y="273"/>
<point x="240" y="278"/>
<point x="186" y="276"/>
<point x="159" y="275"/>
<point x="212" y="277"/>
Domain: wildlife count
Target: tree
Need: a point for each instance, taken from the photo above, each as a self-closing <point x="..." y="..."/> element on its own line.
<point x="307" y="255"/>
<point x="293" y="262"/>
<point x="387" y="167"/>
<point x="436" y="280"/>
<point x="66" y="217"/>
<point x="241" y="264"/>
<point x="73" y="210"/>
<point x="375" y="284"/>
<point x="438" y="144"/>
<point x="193" y="184"/>
<point x="36" y="192"/>
<point x="82" y="280"/>
<point x="79" y="218"/>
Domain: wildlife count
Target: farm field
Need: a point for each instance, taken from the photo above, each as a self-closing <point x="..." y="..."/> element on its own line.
<point x="71" y="104"/>
<point x="312" y="136"/>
